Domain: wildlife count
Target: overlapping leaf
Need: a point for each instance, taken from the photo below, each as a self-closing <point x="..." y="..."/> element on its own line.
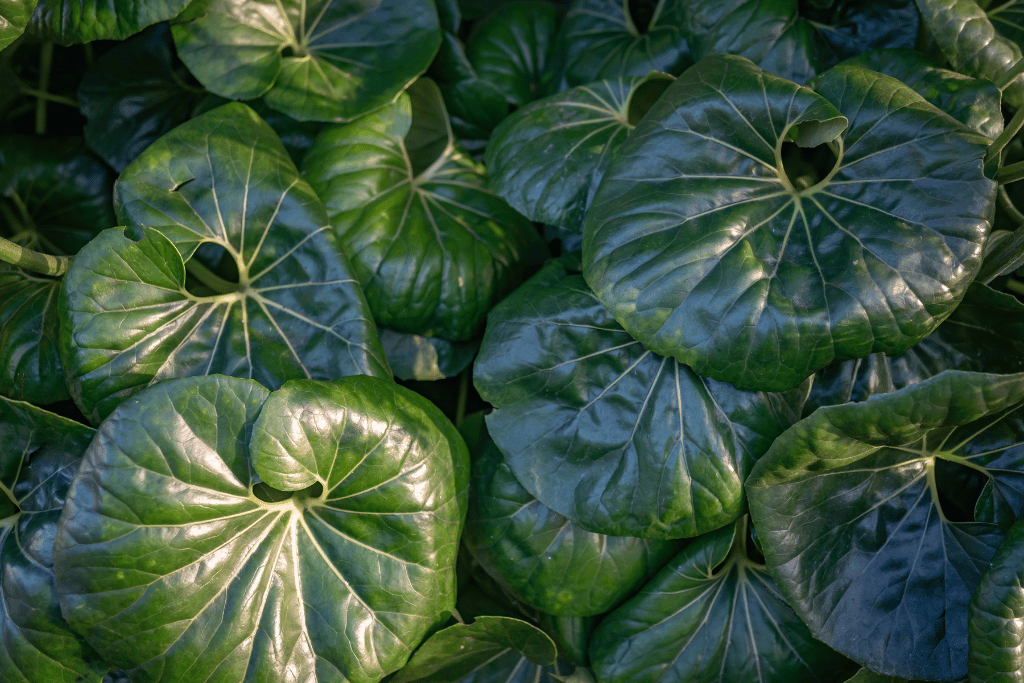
<point x="616" y="438"/>
<point x="433" y="248"/>
<point x="194" y="547"/>
<point x="67" y="22"/>
<point x="40" y="457"/>
<point x="14" y="17"/>
<point x="853" y="516"/>
<point x="996" y="613"/>
<point x="224" y="181"/>
<point x="707" y="245"/>
<point x="540" y="556"/>
<point x="712" y="615"/>
<point x="323" y="60"/>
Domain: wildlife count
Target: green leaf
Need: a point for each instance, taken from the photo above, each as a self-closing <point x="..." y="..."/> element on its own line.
<point x="996" y="614"/>
<point x="135" y="93"/>
<point x="413" y="357"/>
<point x="547" y="159"/>
<point x="973" y="102"/>
<point x="599" y="40"/>
<point x="222" y="180"/>
<point x="191" y="547"/>
<point x="68" y="22"/>
<point x="984" y="333"/>
<point x="41" y="454"/>
<point x="491" y="649"/>
<point x="851" y="506"/>
<point x="29" y="330"/>
<point x="973" y="44"/>
<point x="713" y="614"/>
<point x="714" y="242"/>
<point x="432" y="247"/>
<point x="543" y="558"/>
<point x="475" y="105"/>
<point x="608" y="434"/>
<point x="322" y="60"/>
<point x="14" y="17"/>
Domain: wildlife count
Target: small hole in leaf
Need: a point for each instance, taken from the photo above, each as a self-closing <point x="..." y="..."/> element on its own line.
<point x="211" y="270"/>
<point x="644" y="97"/>
<point x="8" y="508"/>
<point x="807" y="166"/>
<point x="959" y="488"/>
<point x="642" y="12"/>
<point x="754" y="553"/>
<point x="288" y="51"/>
<point x="268" y="494"/>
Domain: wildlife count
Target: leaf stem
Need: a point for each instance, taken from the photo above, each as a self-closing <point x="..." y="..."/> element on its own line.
<point x="45" y="64"/>
<point x="1007" y="205"/>
<point x="1011" y="130"/>
<point x="1010" y="75"/>
<point x="215" y="282"/>
<point x="35" y="261"/>
<point x="1011" y="173"/>
<point x="460" y="405"/>
<point x="43" y="95"/>
<point x="1015" y="286"/>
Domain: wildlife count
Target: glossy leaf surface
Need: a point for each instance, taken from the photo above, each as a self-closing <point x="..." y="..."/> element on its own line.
<point x="413" y="357"/>
<point x="68" y="22"/>
<point x="14" y="18"/>
<point x="433" y="248"/>
<point x="616" y="438"/>
<point x="853" y="517"/>
<point x="599" y="40"/>
<point x="972" y="43"/>
<point x="323" y="60"/>
<point x="547" y="159"/>
<point x="984" y="335"/>
<point x="54" y="197"/>
<point x="222" y="179"/>
<point x="490" y="650"/>
<point x="543" y="558"/>
<point x="706" y="249"/>
<point x="194" y="547"/>
<point x="40" y="456"/>
<point x="711" y="615"/>
<point x="997" y="615"/>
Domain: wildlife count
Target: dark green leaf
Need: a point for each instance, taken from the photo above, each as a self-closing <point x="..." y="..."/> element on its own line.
<point x="973" y="102"/>
<point x="29" y="329"/>
<point x="996" y="614"/>
<point x="323" y="60"/>
<point x="490" y="650"/>
<point x="619" y="440"/>
<point x="599" y="40"/>
<point x="547" y="159"/>
<point x="40" y="456"/>
<point x="711" y="615"/>
<point x="221" y="179"/>
<point x="985" y="333"/>
<point x="67" y="22"/>
<point x="972" y="43"/>
<point x="432" y="247"/>
<point x="850" y="510"/>
<point x="173" y="560"/>
<point x="135" y="93"/>
<point x="14" y="17"/>
<point x="571" y="635"/>
<point x="540" y="556"/>
<point x="413" y="357"/>
<point x="713" y="241"/>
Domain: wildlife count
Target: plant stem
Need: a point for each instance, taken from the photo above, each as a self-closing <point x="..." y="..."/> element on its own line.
<point x="1015" y="286"/>
<point x="1011" y="173"/>
<point x="215" y="282"/>
<point x="1011" y="129"/>
<point x="44" y="264"/>
<point x="1011" y="75"/>
<point x="45" y="63"/>
<point x="43" y="95"/>
<point x="1007" y="205"/>
<point x="460" y="405"/>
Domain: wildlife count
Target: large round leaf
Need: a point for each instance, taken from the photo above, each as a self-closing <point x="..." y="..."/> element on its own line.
<point x="315" y="542"/>
<point x="68" y="22"/>
<point x="984" y="334"/>
<point x="709" y="246"/>
<point x="432" y="247"/>
<point x="540" y="556"/>
<point x="616" y="438"/>
<point x="713" y="615"/>
<point x="54" y="198"/>
<point x="599" y="39"/>
<point x="322" y="60"/>
<point x="851" y="510"/>
<point x="40" y="456"/>
<point x="547" y="159"/>
<point x="221" y="180"/>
